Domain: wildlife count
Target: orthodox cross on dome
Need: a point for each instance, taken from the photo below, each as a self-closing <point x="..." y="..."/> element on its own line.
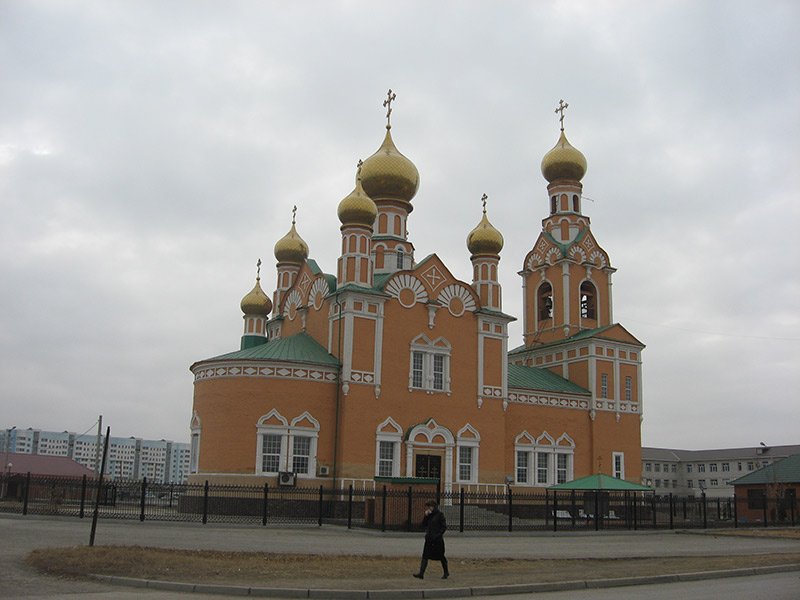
<point x="294" y="213"/>
<point x="358" y="169"/>
<point x="258" y="270"/>
<point x="388" y="104"/>
<point x="484" y="199"/>
<point x="561" y="108"/>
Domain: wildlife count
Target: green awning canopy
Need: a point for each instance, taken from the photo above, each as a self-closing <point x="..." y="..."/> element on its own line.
<point x="601" y="482"/>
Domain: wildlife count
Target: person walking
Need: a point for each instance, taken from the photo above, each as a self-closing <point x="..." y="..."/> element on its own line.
<point x="435" y="525"/>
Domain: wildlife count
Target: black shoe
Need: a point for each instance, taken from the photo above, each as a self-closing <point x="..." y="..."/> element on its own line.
<point x="419" y="575"/>
<point x="446" y="575"/>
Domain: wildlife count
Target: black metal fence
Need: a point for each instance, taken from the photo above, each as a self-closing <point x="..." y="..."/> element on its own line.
<point x="387" y="507"/>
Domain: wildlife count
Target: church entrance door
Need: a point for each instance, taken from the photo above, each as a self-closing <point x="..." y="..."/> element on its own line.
<point x="428" y="465"/>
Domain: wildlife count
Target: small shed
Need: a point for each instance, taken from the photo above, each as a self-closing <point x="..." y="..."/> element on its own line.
<point x="597" y="494"/>
<point x="770" y="493"/>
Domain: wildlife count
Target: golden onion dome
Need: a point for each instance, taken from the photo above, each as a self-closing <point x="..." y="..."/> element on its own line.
<point x="256" y="302"/>
<point x="564" y="161"/>
<point x="387" y="174"/>
<point x="357" y="208"/>
<point x="485" y="239"/>
<point x="291" y="248"/>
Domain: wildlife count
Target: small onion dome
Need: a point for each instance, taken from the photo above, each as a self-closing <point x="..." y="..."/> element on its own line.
<point x="564" y="161"/>
<point x="291" y="248"/>
<point x="485" y="239"/>
<point x="256" y="302"/>
<point x="357" y="208"/>
<point x="389" y="174"/>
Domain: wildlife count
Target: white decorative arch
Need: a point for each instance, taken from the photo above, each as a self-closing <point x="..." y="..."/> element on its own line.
<point x="468" y="429"/>
<point x="459" y="292"/>
<point x="306" y="416"/>
<point x="390" y="424"/>
<point x="524" y="438"/>
<point x="273" y="414"/>
<point x="318" y="292"/>
<point x="293" y="302"/>
<point x="388" y="440"/>
<point x="565" y="441"/>
<point x="545" y="438"/>
<point x="404" y="281"/>
<point x="577" y="251"/>
<point x="195" y="422"/>
<point x="430" y="430"/>
<point x="553" y="254"/>
<point x="534" y="260"/>
<point x="597" y="254"/>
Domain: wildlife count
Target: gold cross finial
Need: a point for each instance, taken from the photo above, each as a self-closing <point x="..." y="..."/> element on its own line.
<point x="484" y="199"/>
<point x="294" y="213"/>
<point x="561" y="107"/>
<point x="358" y="169"/>
<point x="258" y="270"/>
<point x="388" y="104"/>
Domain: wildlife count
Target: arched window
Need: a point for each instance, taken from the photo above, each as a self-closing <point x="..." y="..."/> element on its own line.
<point x="553" y="205"/>
<point x="576" y="205"/>
<point x="588" y="301"/>
<point x="400" y="258"/>
<point x="545" y="301"/>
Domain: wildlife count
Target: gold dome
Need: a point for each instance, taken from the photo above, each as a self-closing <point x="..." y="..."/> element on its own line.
<point x="357" y="208"/>
<point x="564" y="161"/>
<point x="387" y="174"/>
<point x="291" y="248"/>
<point x="485" y="239"/>
<point x="256" y="302"/>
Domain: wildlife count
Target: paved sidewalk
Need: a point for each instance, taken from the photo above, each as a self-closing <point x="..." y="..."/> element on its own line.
<point x="23" y="534"/>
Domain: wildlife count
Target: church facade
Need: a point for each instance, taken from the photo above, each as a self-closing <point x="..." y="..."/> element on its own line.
<point x="392" y="369"/>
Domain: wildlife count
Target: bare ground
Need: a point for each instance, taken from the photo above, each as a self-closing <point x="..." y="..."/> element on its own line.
<point x="359" y="572"/>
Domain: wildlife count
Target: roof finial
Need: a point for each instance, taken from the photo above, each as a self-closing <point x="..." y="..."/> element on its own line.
<point x="258" y="270"/>
<point x="561" y="107"/>
<point x="358" y="169"/>
<point x="294" y="213"/>
<point x="388" y="103"/>
<point x="484" y="199"/>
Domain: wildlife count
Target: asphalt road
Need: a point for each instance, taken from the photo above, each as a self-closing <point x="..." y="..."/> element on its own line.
<point x="23" y="534"/>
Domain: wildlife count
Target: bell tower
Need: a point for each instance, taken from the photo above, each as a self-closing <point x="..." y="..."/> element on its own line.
<point x="566" y="277"/>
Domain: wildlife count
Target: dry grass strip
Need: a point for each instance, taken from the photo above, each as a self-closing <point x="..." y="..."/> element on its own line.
<point x="354" y="572"/>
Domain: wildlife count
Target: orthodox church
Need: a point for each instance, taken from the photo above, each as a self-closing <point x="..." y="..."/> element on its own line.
<point x="392" y="369"/>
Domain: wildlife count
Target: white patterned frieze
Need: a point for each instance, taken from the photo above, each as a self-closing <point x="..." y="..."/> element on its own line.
<point x="266" y="371"/>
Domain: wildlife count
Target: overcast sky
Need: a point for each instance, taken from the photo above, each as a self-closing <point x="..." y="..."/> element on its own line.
<point x="151" y="152"/>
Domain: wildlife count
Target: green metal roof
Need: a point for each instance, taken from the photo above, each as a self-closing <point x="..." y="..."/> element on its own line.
<point x="601" y="482"/>
<point x="300" y="347"/>
<point x="786" y="470"/>
<point x="535" y="378"/>
<point x="582" y="334"/>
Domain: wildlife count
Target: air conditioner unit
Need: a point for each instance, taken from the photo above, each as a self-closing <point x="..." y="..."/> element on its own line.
<point x="324" y="471"/>
<point x="287" y="478"/>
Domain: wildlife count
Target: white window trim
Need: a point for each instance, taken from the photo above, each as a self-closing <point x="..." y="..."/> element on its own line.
<point x="621" y="473"/>
<point x="473" y="442"/>
<point x="194" y="447"/>
<point x="544" y="445"/>
<point x="428" y="348"/>
<point x="395" y="438"/>
<point x="287" y="431"/>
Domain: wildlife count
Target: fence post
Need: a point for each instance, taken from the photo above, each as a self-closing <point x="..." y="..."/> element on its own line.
<point x="546" y="507"/>
<point x="410" y="501"/>
<point x="573" y="510"/>
<point x="735" y="513"/>
<point x="764" y="507"/>
<point x="83" y="495"/>
<point x="27" y="493"/>
<point x="350" y="507"/>
<point x="671" y="507"/>
<point x="633" y="507"/>
<point x="705" y="513"/>
<point x="791" y="508"/>
<point x="264" y="508"/>
<point x="653" y="508"/>
<point x="510" y="510"/>
<point x="142" y="502"/>
<point x="383" y="509"/>
<point x="321" y="508"/>
<point x="596" y="510"/>
<point x="205" y="503"/>
<point x="555" y="510"/>
<point x="461" y="511"/>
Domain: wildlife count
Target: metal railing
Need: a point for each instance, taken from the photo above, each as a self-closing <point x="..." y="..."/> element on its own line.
<point x="390" y="508"/>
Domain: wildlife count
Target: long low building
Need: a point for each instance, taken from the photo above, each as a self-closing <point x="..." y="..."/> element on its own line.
<point x="693" y="472"/>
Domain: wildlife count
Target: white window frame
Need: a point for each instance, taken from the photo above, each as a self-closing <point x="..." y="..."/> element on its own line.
<point x="426" y="349"/>
<point x="619" y="470"/>
<point x="288" y="432"/>
<point x="547" y="449"/>
<point x="472" y="442"/>
<point x="604" y="385"/>
<point x="194" y="445"/>
<point x="395" y="437"/>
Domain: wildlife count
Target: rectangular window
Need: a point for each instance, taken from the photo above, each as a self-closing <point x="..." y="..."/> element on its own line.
<point x="666" y="468"/>
<point x="301" y="454"/>
<point x="647" y="467"/>
<point x="714" y="482"/>
<point x="522" y="466"/>
<point x="562" y="465"/>
<point x="604" y="386"/>
<point x="417" y="370"/>
<point x="464" y="463"/>
<point x="689" y="483"/>
<point x="726" y="467"/>
<point x="674" y="468"/>
<point x="270" y="453"/>
<point x="385" y="459"/>
<point x="701" y="483"/>
<point x="701" y="468"/>
<point x="750" y="465"/>
<point x="438" y="372"/>
<point x="619" y="465"/>
<point x="542" y="467"/>
<point x="657" y="468"/>
<point x="712" y="467"/>
<point x="689" y="468"/>
<point x="628" y="389"/>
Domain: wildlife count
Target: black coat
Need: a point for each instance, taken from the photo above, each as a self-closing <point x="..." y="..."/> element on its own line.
<point x="435" y="525"/>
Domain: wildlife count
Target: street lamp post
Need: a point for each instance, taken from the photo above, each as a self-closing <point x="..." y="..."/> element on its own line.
<point x="6" y="464"/>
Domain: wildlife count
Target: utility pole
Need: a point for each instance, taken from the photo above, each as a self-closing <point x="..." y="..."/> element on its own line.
<point x="6" y="470"/>
<point x="97" y="447"/>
